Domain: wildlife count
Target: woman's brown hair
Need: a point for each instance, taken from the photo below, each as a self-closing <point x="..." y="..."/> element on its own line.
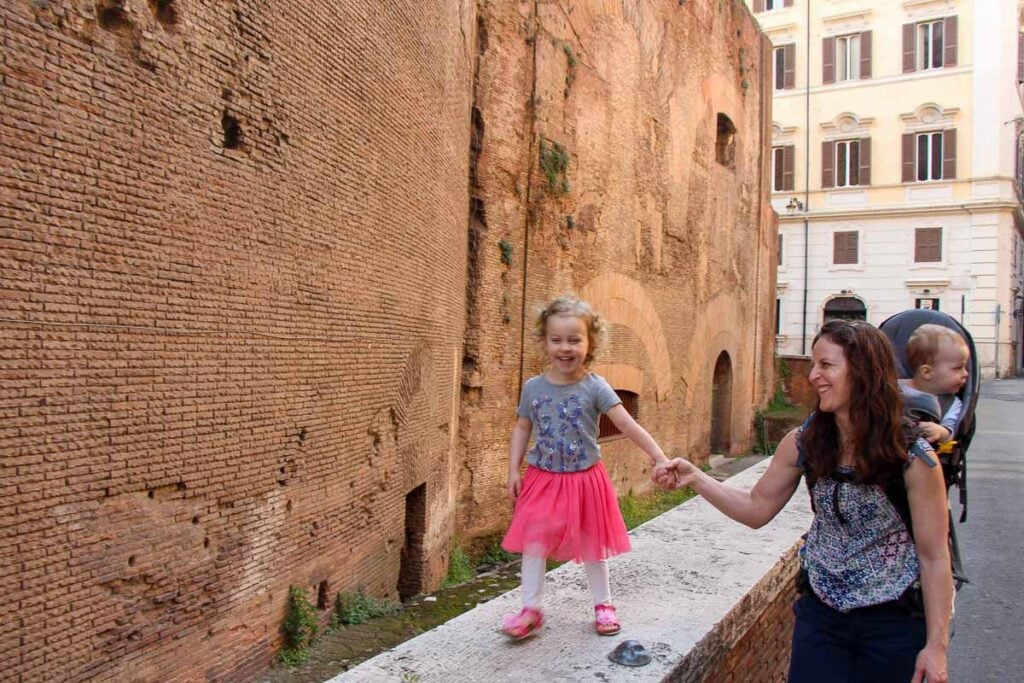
<point x="879" y="437"/>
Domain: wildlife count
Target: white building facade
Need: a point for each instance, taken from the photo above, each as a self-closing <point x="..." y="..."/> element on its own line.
<point x="896" y="165"/>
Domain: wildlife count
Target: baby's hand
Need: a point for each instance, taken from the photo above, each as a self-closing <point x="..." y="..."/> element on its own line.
<point x="934" y="433"/>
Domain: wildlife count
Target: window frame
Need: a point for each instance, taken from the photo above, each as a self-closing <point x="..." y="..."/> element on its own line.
<point x="922" y="41"/>
<point x="851" y="172"/>
<point x="844" y="58"/>
<point x="931" y="158"/>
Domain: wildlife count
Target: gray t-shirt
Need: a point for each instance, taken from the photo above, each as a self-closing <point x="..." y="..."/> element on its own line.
<point x="565" y="419"/>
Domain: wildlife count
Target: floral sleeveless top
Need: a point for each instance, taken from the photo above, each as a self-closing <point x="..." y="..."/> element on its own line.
<point x="858" y="552"/>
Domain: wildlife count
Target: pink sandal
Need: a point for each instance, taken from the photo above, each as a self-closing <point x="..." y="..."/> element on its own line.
<point x="605" y="621"/>
<point x="524" y="624"/>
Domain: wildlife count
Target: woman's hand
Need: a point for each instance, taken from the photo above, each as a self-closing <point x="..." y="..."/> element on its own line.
<point x="931" y="666"/>
<point x="675" y="474"/>
<point x="514" y="486"/>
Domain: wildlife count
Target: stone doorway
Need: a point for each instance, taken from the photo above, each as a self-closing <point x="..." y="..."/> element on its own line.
<point x="410" y="573"/>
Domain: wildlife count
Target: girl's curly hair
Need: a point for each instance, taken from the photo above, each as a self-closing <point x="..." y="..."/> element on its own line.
<point x="879" y="437"/>
<point x="570" y="304"/>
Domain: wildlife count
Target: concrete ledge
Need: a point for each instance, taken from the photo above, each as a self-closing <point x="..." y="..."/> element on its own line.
<point x="692" y="582"/>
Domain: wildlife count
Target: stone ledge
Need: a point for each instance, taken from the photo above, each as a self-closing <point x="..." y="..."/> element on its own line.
<point x="692" y="582"/>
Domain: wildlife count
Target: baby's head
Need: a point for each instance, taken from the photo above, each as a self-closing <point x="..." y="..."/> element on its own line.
<point x="938" y="357"/>
<point x="552" y="318"/>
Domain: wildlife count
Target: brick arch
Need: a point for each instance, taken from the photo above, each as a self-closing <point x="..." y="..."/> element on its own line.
<point x="623" y="301"/>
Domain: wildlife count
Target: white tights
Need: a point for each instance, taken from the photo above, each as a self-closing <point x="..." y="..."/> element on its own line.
<point x="533" y="571"/>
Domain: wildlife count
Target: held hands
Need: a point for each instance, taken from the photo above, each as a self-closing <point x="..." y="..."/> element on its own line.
<point x="674" y="474"/>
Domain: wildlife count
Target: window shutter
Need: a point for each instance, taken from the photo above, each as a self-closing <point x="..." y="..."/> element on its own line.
<point x="949" y="154"/>
<point x="778" y="172"/>
<point x="865" y="54"/>
<point x="790" y="73"/>
<point x="865" y="161"/>
<point x="780" y="250"/>
<point x="844" y="247"/>
<point x="758" y="5"/>
<point x="828" y="164"/>
<point x="928" y="245"/>
<point x="909" y="150"/>
<point x="788" y="167"/>
<point x="828" y="60"/>
<point x="909" y="63"/>
<point x="1020" y="57"/>
<point x="949" y="38"/>
<point x="788" y="3"/>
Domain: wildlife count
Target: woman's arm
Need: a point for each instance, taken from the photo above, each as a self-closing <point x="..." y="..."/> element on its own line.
<point x="756" y="507"/>
<point x="621" y="418"/>
<point x="516" y="451"/>
<point x="929" y="511"/>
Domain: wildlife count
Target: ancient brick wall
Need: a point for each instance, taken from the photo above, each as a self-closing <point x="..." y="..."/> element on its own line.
<point x="599" y="168"/>
<point x="245" y="342"/>
<point x="232" y="281"/>
<point x="795" y="383"/>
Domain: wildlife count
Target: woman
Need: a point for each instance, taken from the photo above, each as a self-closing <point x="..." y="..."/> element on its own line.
<point x="860" y="559"/>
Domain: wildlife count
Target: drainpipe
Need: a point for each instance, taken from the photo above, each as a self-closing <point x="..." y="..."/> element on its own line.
<point x="807" y="175"/>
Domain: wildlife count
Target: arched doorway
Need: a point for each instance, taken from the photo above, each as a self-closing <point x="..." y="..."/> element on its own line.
<point x="845" y="308"/>
<point x="721" y="405"/>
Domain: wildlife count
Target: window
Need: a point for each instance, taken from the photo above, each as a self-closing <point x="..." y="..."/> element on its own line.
<point x="778" y="317"/>
<point x="929" y="156"/>
<point x="606" y="429"/>
<point x="783" y="67"/>
<point x="779" y="250"/>
<point x="782" y="168"/>
<point x="725" y="142"/>
<point x="846" y="58"/>
<point x="769" y="5"/>
<point x="927" y="245"/>
<point x="844" y="247"/>
<point x="846" y="163"/>
<point x="930" y="45"/>
<point x="927" y="304"/>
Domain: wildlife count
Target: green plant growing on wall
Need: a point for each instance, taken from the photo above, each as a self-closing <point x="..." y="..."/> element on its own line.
<point x="570" y="74"/>
<point x="299" y="627"/>
<point x="460" y="567"/>
<point x="554" y="163"/>
<point x="570" y="221"/>
<point x="506" y="252"/>
<point x="359" y="608"/>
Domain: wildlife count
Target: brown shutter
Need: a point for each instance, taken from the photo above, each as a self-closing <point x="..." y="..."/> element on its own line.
<point x="788" y="167"/>
<point x="865" y="54"/>
<point x="844" y="247"/>
<point x="758" y="5"/>
<point x="778" y="173"/>
<point x="949" y="154"/>
<point x="788" y="3"/>
<point x="909" y="154"/>
<point x="828" y="60"/>
<point x="1020" y="57"/>
<point x="828" y="164"/>
<point x="927" y="245"/>
<point x="909" y="62"/>
<point x="789" y="77"/>
<point x="780" y="250"/>
<point x="949" y="40"/>
<point x="864" y="145"/>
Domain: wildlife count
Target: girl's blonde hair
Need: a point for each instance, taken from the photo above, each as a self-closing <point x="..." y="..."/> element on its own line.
<point x="572" y="305"/>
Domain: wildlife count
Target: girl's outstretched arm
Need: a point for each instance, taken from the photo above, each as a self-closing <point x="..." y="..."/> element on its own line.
<point x="756" y="507"/>
<point x="516" y="451"/>
<point x="621" y="418"/>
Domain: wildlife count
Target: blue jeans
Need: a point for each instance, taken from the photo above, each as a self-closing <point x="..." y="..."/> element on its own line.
<point x="876" y="644"/>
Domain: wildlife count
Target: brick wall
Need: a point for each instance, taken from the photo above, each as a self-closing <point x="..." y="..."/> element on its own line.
<point x="233" y="247"/>
<point x="752" y="643"/>
<point x="670" y="245"/>
<point x="794" y="381"/>
<point x="241" y="322"/>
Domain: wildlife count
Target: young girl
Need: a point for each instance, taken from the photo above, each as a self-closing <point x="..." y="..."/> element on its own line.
<point x="565" y="505"/>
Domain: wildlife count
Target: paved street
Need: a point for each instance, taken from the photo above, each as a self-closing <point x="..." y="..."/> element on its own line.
<point x="989" y="643"/>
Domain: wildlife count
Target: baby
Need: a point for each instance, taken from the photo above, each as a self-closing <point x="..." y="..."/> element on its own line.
<point x="939" y="358"/>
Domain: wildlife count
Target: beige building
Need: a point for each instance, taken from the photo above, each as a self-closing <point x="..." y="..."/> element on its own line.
<point x="895" y="132"/>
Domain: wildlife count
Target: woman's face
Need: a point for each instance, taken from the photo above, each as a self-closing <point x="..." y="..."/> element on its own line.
<point x="830" y="376"/>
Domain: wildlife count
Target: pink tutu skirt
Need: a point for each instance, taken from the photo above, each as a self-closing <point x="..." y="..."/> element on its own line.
<point x="567" y="516"/>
